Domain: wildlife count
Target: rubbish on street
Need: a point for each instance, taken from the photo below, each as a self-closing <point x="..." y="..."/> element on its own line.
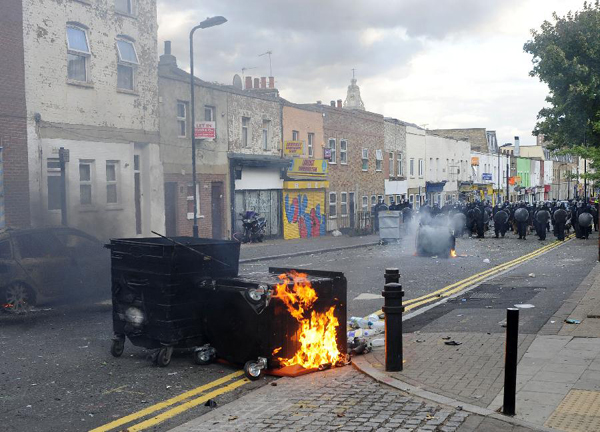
<point x="232" y="418"/>
<point x="531" y="275"/>
<point x="420" y="340"/>
<point x="274" y="384"/>
<point x="453" y="343"/>
<point x="572" y="321"/>
<point x="210" y="403"/>
<point x="378" y="342"/>
<point x="446" y="338"/>
<point x="486" y="261"/>
<point x="524" y="306"/>
<point x="336" y="233"/>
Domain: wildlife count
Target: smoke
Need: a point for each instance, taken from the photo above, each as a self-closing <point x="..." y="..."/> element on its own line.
<point x="427" y="235"/>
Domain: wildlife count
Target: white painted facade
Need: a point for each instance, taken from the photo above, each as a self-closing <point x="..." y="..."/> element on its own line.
<point x="93" y="118"/>
<point x="446" y="159"/>
<point x="493" y="164"/>
<point x="415" y="159"/>
<point x="259" y="179"/>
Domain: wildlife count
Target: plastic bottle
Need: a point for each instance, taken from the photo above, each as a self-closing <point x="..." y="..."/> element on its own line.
<point x="373" y="318"/>
<point x="378" y="342"/>
<point x="363" y="323"/>
<point x="378" y="325"/>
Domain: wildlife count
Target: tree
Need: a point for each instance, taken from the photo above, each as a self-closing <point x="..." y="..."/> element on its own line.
<point x="566" y="56"/>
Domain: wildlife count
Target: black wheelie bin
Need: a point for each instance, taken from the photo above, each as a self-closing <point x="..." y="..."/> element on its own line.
<point x="156" y="290"/>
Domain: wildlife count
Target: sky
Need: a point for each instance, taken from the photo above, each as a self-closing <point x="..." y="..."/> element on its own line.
<point x="436" y="63"/>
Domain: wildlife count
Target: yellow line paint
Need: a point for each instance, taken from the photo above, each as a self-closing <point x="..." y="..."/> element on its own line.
<point x="186" y="406"/>
<point x="478" y="277"/>
<point x="161" y="405"/>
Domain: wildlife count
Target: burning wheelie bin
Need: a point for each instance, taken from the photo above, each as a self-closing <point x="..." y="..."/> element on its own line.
<point x="156" y="290"/>
<point x="284" y="318"/>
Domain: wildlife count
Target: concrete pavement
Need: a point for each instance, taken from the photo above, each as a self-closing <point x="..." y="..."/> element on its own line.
<point x="558" y="383"/>
<point x="280" y="248"/>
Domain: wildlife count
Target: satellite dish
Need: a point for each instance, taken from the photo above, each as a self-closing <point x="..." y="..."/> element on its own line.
<point x="237" y="82"/>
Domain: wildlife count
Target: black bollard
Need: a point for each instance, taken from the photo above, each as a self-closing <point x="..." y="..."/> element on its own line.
<point x="510" y="366"/>
<point x="393" y="309"/>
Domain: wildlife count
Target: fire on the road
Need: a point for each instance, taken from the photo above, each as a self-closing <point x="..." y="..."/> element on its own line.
<point x="453" y="253"/>
<point x="317" y="334"/>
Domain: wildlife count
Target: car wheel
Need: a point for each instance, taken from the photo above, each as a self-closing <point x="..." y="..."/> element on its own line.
<point x="18" y="298"/>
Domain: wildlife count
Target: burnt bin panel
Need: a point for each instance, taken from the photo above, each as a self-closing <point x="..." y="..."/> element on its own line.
<point x="164" y="281"/>
<point x="241" y="329"/>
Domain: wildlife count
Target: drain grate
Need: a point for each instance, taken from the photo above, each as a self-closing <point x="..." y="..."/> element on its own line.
<point x="578" y="412"/>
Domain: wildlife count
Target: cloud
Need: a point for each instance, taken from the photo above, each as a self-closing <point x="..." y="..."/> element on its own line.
<point x="450" y="63"/>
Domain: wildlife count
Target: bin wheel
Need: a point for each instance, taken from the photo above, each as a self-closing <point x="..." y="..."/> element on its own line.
<point x="117" y="347"/>
<point x="253" y="371"/>
<point x="164" y="356"/>
<point x="203" y="358"/>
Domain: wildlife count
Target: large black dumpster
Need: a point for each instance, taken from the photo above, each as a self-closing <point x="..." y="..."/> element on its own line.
<point x="156" y="289"/>
<point x="245" y="324"/>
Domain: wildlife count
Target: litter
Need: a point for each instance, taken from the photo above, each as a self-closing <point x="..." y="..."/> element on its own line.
<point x="172" y="373"/>
<point x="531" y="275"/>
<point x="420" y="340"/>
<point x="488" y="307"/>
<point x="378" y="342"/>
<point x="486" y="261"/>
<point x="232" y="418"/>
<point x="210" y="403"/>
<point x="572" y="321"/>
<point x="524" y="306"/>
<point x="274" y="384"/>
<point x="336" y="233"/>
<point x="463" y="300"/>
<point x="446" y="338"/>
<point x="453" y="343"/>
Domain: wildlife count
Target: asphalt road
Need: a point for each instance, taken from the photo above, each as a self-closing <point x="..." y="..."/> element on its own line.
<point x="56" y="372"/>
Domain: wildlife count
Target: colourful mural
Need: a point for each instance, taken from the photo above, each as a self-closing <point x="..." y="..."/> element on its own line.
<point x="303" y="215"/>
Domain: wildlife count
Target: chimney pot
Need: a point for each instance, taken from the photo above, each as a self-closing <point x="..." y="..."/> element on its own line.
<point x="256" y="83"/>
<point x="168" y="47"/>
<point x="271" y="82"/>
<point x="332" y="103"/>
<point x="319" y="102"/>
<point x="263" y="82"/>
<point x="248" y="83"/>
<point x="339" y="103"/>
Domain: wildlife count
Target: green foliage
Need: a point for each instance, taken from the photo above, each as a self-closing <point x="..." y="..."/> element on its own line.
<point x="566" y="56"/>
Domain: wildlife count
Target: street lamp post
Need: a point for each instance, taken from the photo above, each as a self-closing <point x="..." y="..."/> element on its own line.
<point x="208" y="22"/>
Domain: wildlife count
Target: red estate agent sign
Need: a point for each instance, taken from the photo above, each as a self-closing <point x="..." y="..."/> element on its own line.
<point x="205" y="130"/>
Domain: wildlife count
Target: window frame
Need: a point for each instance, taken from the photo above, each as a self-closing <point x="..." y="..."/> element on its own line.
<point x="295" y="135"/>
<point x="247" y="128"/>
<point x="365" y="159"/>
<point x="378" y="160"/>
<point x="344" y="152"/>
<point x="391" y="170"/>
<point x="421" y="167"/>
<point x="90" y="182"/>
<point x="412" y="167"/>
<point x="343" y="203"/>
<point x="211" y="109"/>
<point x="373" y="200"/>
<point x="190" y="198"/>
<point x="115" y="182"/>
<point x="400" y="167"/>
<point x="334" y="204"/>
<point x="130" y="12"/>
<point x="311" y="141"/>
<point x="75" y="52"/>
<point x="365" y="203"/>
<point x="333" y="159"/>
<point x="265" y="134"/>
<point x="182" y="119"/>
<point x="127" y="63"/>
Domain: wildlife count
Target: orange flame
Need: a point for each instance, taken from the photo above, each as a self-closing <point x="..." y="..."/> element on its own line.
<point x="317" y="333"/>
<point x="453" y="253"/>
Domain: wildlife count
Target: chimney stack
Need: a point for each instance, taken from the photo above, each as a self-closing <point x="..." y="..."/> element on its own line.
<point x="339" y="103"/>
<point x="256" y="83"/>
<point x="248" y="83"/>
<point x="271" y="82"/>
<point x="332" y="103"/>
<point x="517" y="147"/>
<point x="167" y="59"/>
<point x="319" y="102"/>
<point x="263" y="82"/>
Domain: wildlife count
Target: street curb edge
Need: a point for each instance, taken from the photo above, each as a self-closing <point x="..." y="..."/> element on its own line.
<point x="318" y="251"/>
<point x="364" y="367"/>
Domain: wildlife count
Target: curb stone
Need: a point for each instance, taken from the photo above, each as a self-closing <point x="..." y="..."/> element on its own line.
<point x="363" y="366"/>
<point x="303" y="253"/>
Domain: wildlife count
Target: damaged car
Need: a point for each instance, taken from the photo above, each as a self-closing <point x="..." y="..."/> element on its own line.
<point x="46" y="264"/>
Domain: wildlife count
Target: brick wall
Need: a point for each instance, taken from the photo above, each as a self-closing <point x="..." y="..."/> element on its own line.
<point x="13" y="124"/>
<point x="361" y="130"/>
<point x="185" y="225"/>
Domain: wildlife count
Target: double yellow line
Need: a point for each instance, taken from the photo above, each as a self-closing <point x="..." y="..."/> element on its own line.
<point x="476" y="278"/>
<point x="189" y="401"/>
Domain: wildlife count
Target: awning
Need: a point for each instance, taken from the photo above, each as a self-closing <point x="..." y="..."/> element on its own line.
<point x="243" y="159"/>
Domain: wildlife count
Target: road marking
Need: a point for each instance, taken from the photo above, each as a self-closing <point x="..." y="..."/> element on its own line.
<point x="152" y="409"/>
<point x="186" y="406"/>
<point x="476" y="278"/>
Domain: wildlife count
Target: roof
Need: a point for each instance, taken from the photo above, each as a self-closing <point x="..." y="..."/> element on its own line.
<point x="476" y="136"/>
